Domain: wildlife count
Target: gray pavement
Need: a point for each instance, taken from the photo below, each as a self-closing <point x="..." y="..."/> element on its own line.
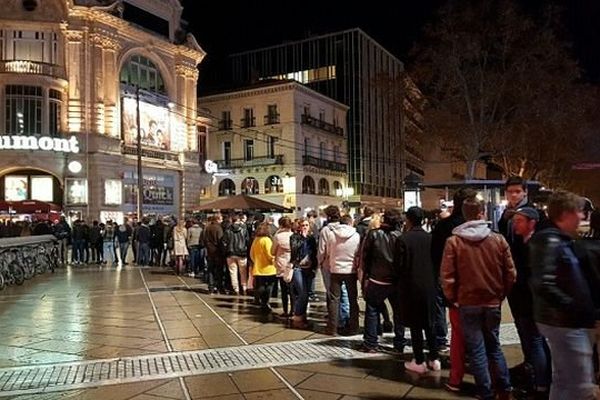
<point x="92" y="321"/>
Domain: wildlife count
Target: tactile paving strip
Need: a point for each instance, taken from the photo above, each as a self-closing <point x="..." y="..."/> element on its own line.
<point x="86" y="374"/>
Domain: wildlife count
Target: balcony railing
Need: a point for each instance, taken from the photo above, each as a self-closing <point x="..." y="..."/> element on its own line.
<point x="271" y="119"/>
<point x="255" y="162"/>
<point x="32" y="67"/>
<point x="225" y="125"/>
<point x="149" y="153"/>
<point x="325" y="126"/>
<point x="325" y="164"/>
<point x="248" y="122"/>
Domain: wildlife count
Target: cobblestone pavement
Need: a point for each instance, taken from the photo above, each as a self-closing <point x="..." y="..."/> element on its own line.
<point x="145" y="334"/>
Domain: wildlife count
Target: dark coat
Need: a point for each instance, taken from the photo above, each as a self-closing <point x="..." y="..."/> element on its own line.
<point x="442" y="231"/>
<point x="380" y="256"/>
<point x="417" y="281"/>
<point x="300" y="251"/>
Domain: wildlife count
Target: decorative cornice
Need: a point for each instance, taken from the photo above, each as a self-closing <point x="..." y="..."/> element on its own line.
<point x="74" y="35"/>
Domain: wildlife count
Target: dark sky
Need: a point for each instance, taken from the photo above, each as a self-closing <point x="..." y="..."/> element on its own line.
<point x="223" y="27"/>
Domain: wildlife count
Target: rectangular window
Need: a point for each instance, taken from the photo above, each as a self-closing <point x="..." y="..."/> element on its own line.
<point x="54" y="111"/>
<point x="336" y="153"/>
<point x="307" y="151"/>
<point x="248" y="120"/>
<point x="272" y="116"/>
<point x="23" y="105"/>
<point x="271" y="146"/>
<point x="248" y="150"/>
<point x="322" y="150"/>
<point x="225" y="123"/>
<point x="307" y="109"/>
<point x="227" y="152"/>
<point x="202" y="149"/>
<point x="321" y="115"/>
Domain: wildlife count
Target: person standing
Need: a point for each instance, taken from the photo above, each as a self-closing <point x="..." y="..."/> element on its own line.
<point x="123" y="234"/>
<point x="338" y="245"/>
<point x="78" y="253"/>
<point x="484" y="257"/>
<point x="157" y="242"/>
<point x="193" y="241"/>
<point x="282" y="252"/>
<point x="379" y="259"/>
<point x="303" y="256"/>
<point x="108" y="239"/>
<point x="236" y="242"/>
<point x="418" y="290"/>
<point x="212" y="237"/>
<point x="62" y="231"/>
<point x="180" y="246"/>
<point x="144" y="236"/>
<point x="95" y="242"/>
<point x="563" y="307"/>
<point x="265" y="273"/>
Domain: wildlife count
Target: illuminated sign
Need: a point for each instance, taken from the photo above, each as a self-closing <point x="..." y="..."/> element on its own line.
<point x="77" y="191"/>
<point x="15" y="188"/>
<point x="211" y="167"/>
<point x="159" y="127"/>
<point x="113" y="192"/>
<point x="42" y="188"/>
<point x="18" y="142"/>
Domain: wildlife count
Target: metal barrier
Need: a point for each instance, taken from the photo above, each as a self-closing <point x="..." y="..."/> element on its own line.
<point x="22" y="258"/>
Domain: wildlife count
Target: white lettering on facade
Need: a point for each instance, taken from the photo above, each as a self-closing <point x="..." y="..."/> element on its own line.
<point x="46" y="143"/>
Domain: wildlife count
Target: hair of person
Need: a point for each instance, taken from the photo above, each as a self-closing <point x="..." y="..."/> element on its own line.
<point x="472" y="208"/>
<point x="375" y="222"/>
<point x="333" y="213"/>
<point x="562" y="201"/>
<point x="263" y="229"/>
<point x="516" y="180"/>
<point x="368" y="212"/>
<point x="312" y="214"/>
<point x="415" y="215"/>
<point x="459" y="197"/>
<point x="392" y="217"/>
<point x="346" y="220"/>
<point x="285" y="223"/>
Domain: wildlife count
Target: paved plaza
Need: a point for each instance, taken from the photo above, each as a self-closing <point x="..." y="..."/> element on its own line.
<point x="146" y="334"/>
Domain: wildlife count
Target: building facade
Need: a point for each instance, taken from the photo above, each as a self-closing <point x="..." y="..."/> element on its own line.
<point x="355" y="70"/>
<point x="72" y="71"/>
<point x="280" y="141"/>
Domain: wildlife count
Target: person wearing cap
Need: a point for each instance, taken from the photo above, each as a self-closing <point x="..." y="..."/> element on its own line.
<point x="536" y="353"/>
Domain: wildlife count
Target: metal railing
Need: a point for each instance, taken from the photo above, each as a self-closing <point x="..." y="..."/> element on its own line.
<point x="225" y="125"/>
<point x="320" y="124"/>
<point x="255" y="162"/>
<point x="325" y="164"/>
<point x="32" y="67"/>
<point x="248" y="122"/>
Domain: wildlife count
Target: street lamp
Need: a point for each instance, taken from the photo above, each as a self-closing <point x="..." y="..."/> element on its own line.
<point x="412" y="190"/>
<point x="345" y="193"/>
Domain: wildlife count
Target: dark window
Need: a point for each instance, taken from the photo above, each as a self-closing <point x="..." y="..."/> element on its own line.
<point x="274" y="184"/>
<point x="271" y="146"/>
<point x="250" y="186"/>
<point x="308" y="185"/>
<point x="226" y="188"/>
<point x="248" y="150"/>
<point x="227" y="152"/>
<point x="23" y="105"/>
<point x="323" y="187"/>
<point x="141" y="72"/>
<point x="248" y="120"/>
<point x="225" y="123"/>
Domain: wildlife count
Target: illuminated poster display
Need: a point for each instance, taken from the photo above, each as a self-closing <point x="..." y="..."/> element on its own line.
<point x="42" y="188"/>
<point x="77" y="191"/>
<point x="160" y="128"/>
<point x="113" y="192"/>
<point x="15" y="188"/>
<point x="160" y="193"/>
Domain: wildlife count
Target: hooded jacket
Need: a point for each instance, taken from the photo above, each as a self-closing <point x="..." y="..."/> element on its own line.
<point x="338" y="245"/>
<point x="477" y="266"/>
<point x="236" y="240"/>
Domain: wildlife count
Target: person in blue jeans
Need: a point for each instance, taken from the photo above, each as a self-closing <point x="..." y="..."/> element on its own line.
<point x="563" y="306"/>
<point x="304" y="259"/>
<point x="484" y="257"/>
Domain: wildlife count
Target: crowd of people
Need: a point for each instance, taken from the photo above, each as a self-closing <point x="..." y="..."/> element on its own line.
<point x="462" y="269"/>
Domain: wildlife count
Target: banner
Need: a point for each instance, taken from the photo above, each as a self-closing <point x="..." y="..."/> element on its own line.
<point x="155" y="128"/>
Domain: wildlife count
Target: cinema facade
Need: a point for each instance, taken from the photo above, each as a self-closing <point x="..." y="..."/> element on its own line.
<point x="73" y="75"/>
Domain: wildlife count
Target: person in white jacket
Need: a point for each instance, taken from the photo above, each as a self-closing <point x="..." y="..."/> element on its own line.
<point x="338" y="245"/>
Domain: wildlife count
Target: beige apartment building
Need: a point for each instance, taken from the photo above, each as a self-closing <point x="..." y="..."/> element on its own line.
<point x="280" y="141"/>
<point x="73" y="75"/>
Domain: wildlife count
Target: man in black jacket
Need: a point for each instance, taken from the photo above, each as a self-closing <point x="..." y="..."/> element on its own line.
<point x="439" y="235"/>
<point x="562" y="301"/>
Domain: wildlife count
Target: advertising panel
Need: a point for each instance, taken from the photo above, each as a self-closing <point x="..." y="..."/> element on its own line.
<point x="160" y="193"/>
<point x="15" y="188"/>
<point x="113" y="192"/>
<point x="77" y="191"/>
<point x="42" y="188"/>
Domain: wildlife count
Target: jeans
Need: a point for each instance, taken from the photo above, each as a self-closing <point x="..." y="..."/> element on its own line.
<point x="481" y="328"/>
<point x="440" y="328"/>
<point x="264" y="287"/>
<point x="344" y="313"/>
<point x="63" y="248"/>
<point x="535" y="349"/>
<point x="78" y="251"/>
<point x="143" y="253"/>
<point x="123" y="247"/>
<point x="572" y="367"/>
<point x="215" y="273"/>
<point x="375" y="296"/>
<point x="195" y="259"/>
<point x="286" y="296"/>
<point x="237" y="264"/>
<point x="301" y="283"/>
<point x="416" y="335"/>
<point x="335" y="297"/>
<point x="109" y="252"/>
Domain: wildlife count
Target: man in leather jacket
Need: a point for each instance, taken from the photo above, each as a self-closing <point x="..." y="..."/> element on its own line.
<point x="379" y="260"/>
<point x="562" y="302"/>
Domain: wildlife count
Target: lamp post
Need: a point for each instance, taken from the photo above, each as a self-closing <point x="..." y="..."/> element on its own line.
<point x="412" y="190"/>
<point x="140" y="183"/>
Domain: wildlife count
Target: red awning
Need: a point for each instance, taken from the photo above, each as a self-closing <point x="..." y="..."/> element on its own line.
<point x="31" y="207"/>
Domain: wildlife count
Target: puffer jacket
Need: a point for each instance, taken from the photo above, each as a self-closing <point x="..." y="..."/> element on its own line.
<point x="379" y="255"/>
<point x="477" y="267"/>
<point x="338" y="246"/>
<point x="561" y="295"/>
<point x="236" y="240"/>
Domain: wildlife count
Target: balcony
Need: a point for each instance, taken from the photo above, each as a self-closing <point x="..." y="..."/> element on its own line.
<point x="255" y="162"/>
<point x="271" y="119"/>
<point x="248" y="122"/>
<point x="325" y="164"/>
<point x="150" y="153"/>
<point x="32" y="67"/>
<point x="225" y="125"/>
<point x="324" y="126"/>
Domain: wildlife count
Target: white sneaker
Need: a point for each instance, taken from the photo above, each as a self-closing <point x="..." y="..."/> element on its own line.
<point x="191" y="275"/>
<point x="414" y="367"/>
<point x="434" y="365"/>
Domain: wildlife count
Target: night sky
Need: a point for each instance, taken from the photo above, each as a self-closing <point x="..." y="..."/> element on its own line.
<point x="224" y="27"/>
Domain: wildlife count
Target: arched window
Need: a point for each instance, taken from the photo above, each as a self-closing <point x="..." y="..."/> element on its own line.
<point x="308" y="185"/>
<point x="274" y="184"/>
<point x="250" y="186"/>
<point x="323" y="187"/>
<point x="226" y="188"/>
<point x="140" y="72"/>
<point x="337" y="188"/>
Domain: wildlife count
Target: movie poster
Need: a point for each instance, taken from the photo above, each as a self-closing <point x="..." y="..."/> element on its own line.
<point x="155" y="128"/>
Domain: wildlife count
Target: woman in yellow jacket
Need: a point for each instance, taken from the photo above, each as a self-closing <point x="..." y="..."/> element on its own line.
<point x="264" y="270"/>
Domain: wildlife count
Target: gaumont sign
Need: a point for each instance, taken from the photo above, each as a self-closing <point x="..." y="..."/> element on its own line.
<point x="46" y="143"/>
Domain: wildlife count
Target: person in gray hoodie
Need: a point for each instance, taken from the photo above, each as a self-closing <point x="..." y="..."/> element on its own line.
<point x="338" y="245"/>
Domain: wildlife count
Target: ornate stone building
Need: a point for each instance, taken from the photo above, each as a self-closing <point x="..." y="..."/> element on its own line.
<point x="90" y="70"/>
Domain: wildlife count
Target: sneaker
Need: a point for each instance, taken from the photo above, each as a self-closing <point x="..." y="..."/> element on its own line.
<point x="434" y="365"/>
<point x="452" y="388"/>
<point x="366" y="349"/>
<point x="192" y="275"/>
<point x="414" y="367"/>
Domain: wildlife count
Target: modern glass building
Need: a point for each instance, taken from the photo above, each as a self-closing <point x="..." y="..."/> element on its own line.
<point x="352" y="68"/>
